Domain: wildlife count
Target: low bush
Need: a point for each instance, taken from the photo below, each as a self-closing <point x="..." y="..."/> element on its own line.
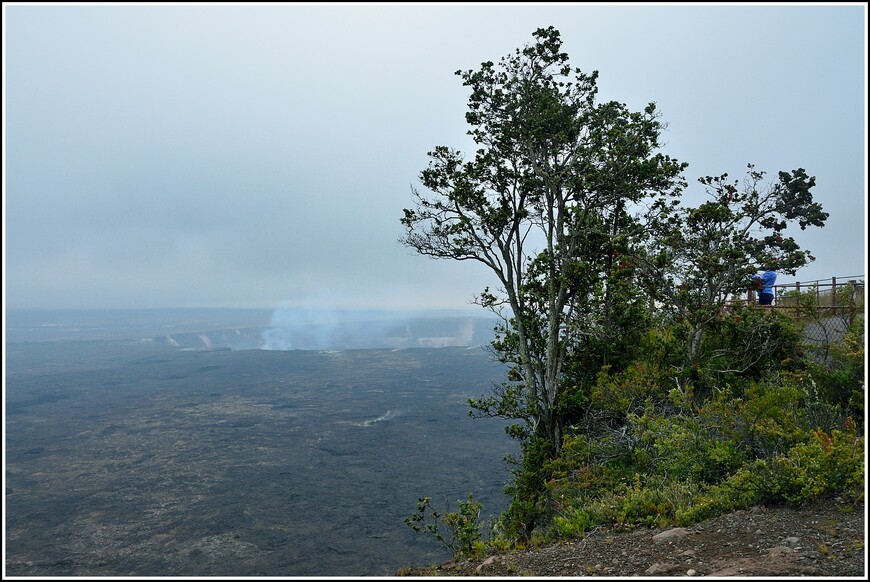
<point x="463" y="527"/>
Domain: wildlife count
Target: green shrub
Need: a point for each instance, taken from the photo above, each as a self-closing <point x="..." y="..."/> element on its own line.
<point x="746" y="343"/>
<point x="464" y="527"/>
<point x="840" y="380"/>
<point x="642" y="505"/>
<point x="827" y="463"/>
<point x="742" y="489"/>
<point x="619" y="391"/>
<point x="528" y="490"/>
<point x="656" y="442"/>
<point x="680" y="448"/>
<point x="772" y="417"/>
<point x="573" y="523"/>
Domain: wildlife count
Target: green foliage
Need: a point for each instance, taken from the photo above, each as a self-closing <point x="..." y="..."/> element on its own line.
<point x="527" y="490"/>
<point x="696" y="258"/>
<point x="654" y="449"/>
<point x="680" y="447"/>
<point x="747" y="341"/>
<point x="639" y="396"/>
<point x="841" y="379"/>
<point x="749" y="440"/>
<point x="766" y="417"/>
<point x="658" y="445"/>
<point x="553" y="201"/>
<point x="741" y="490"/>
<point x="825" y="463"/>
<point x="573" y="523"/>
<point x="625" y="390"/>
<point x="463" y="527"/>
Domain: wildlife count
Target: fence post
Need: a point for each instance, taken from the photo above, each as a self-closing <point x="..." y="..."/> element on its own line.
<point x="852" y="309"/>
<point x="797" y="287"/>
<point x="834" y="295"/>
<point x="818" y="299"/>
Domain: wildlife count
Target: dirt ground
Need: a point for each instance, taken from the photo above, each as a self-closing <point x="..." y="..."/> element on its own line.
<point x="823" y="539"/>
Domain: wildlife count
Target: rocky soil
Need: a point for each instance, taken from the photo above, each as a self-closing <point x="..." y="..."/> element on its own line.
<point x="823" y="539"/>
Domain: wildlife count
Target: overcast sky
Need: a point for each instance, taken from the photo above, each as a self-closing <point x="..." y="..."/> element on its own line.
<point x="257" y="156"/>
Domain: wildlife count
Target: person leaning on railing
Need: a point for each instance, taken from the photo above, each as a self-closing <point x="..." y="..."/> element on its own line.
<point x="764" y="284"/>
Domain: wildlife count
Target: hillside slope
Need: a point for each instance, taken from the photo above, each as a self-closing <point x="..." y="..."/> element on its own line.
<point x="824" y="538"/>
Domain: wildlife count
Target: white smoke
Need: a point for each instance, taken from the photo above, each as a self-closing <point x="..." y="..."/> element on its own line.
<point x="316" y="325"/>
<point x="302" y="328"/>
<point x="388" y="415"/>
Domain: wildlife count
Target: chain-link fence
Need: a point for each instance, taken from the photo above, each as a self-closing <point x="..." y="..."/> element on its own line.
<point x="826" y="309"/>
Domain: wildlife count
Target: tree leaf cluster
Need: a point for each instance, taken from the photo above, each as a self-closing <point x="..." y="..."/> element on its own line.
<point x="597" y="264"/>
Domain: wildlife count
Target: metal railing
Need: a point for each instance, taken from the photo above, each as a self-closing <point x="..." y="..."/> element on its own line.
<point x="837" y="296"/>
<point x="825" y="308"/>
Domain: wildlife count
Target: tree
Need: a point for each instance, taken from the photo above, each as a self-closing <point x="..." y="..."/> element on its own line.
<point x="701" y="256"/>
<point x="555" y="190"/>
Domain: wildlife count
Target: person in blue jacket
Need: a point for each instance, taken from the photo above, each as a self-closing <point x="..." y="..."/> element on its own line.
<point x="767" y="280"/>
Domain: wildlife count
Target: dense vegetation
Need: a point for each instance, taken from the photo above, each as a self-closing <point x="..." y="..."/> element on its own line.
<point x="655" y="442"/>
<point x="640" y="395"/>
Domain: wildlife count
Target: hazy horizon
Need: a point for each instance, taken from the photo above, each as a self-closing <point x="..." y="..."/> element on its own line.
<point x="260" y="156"/>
